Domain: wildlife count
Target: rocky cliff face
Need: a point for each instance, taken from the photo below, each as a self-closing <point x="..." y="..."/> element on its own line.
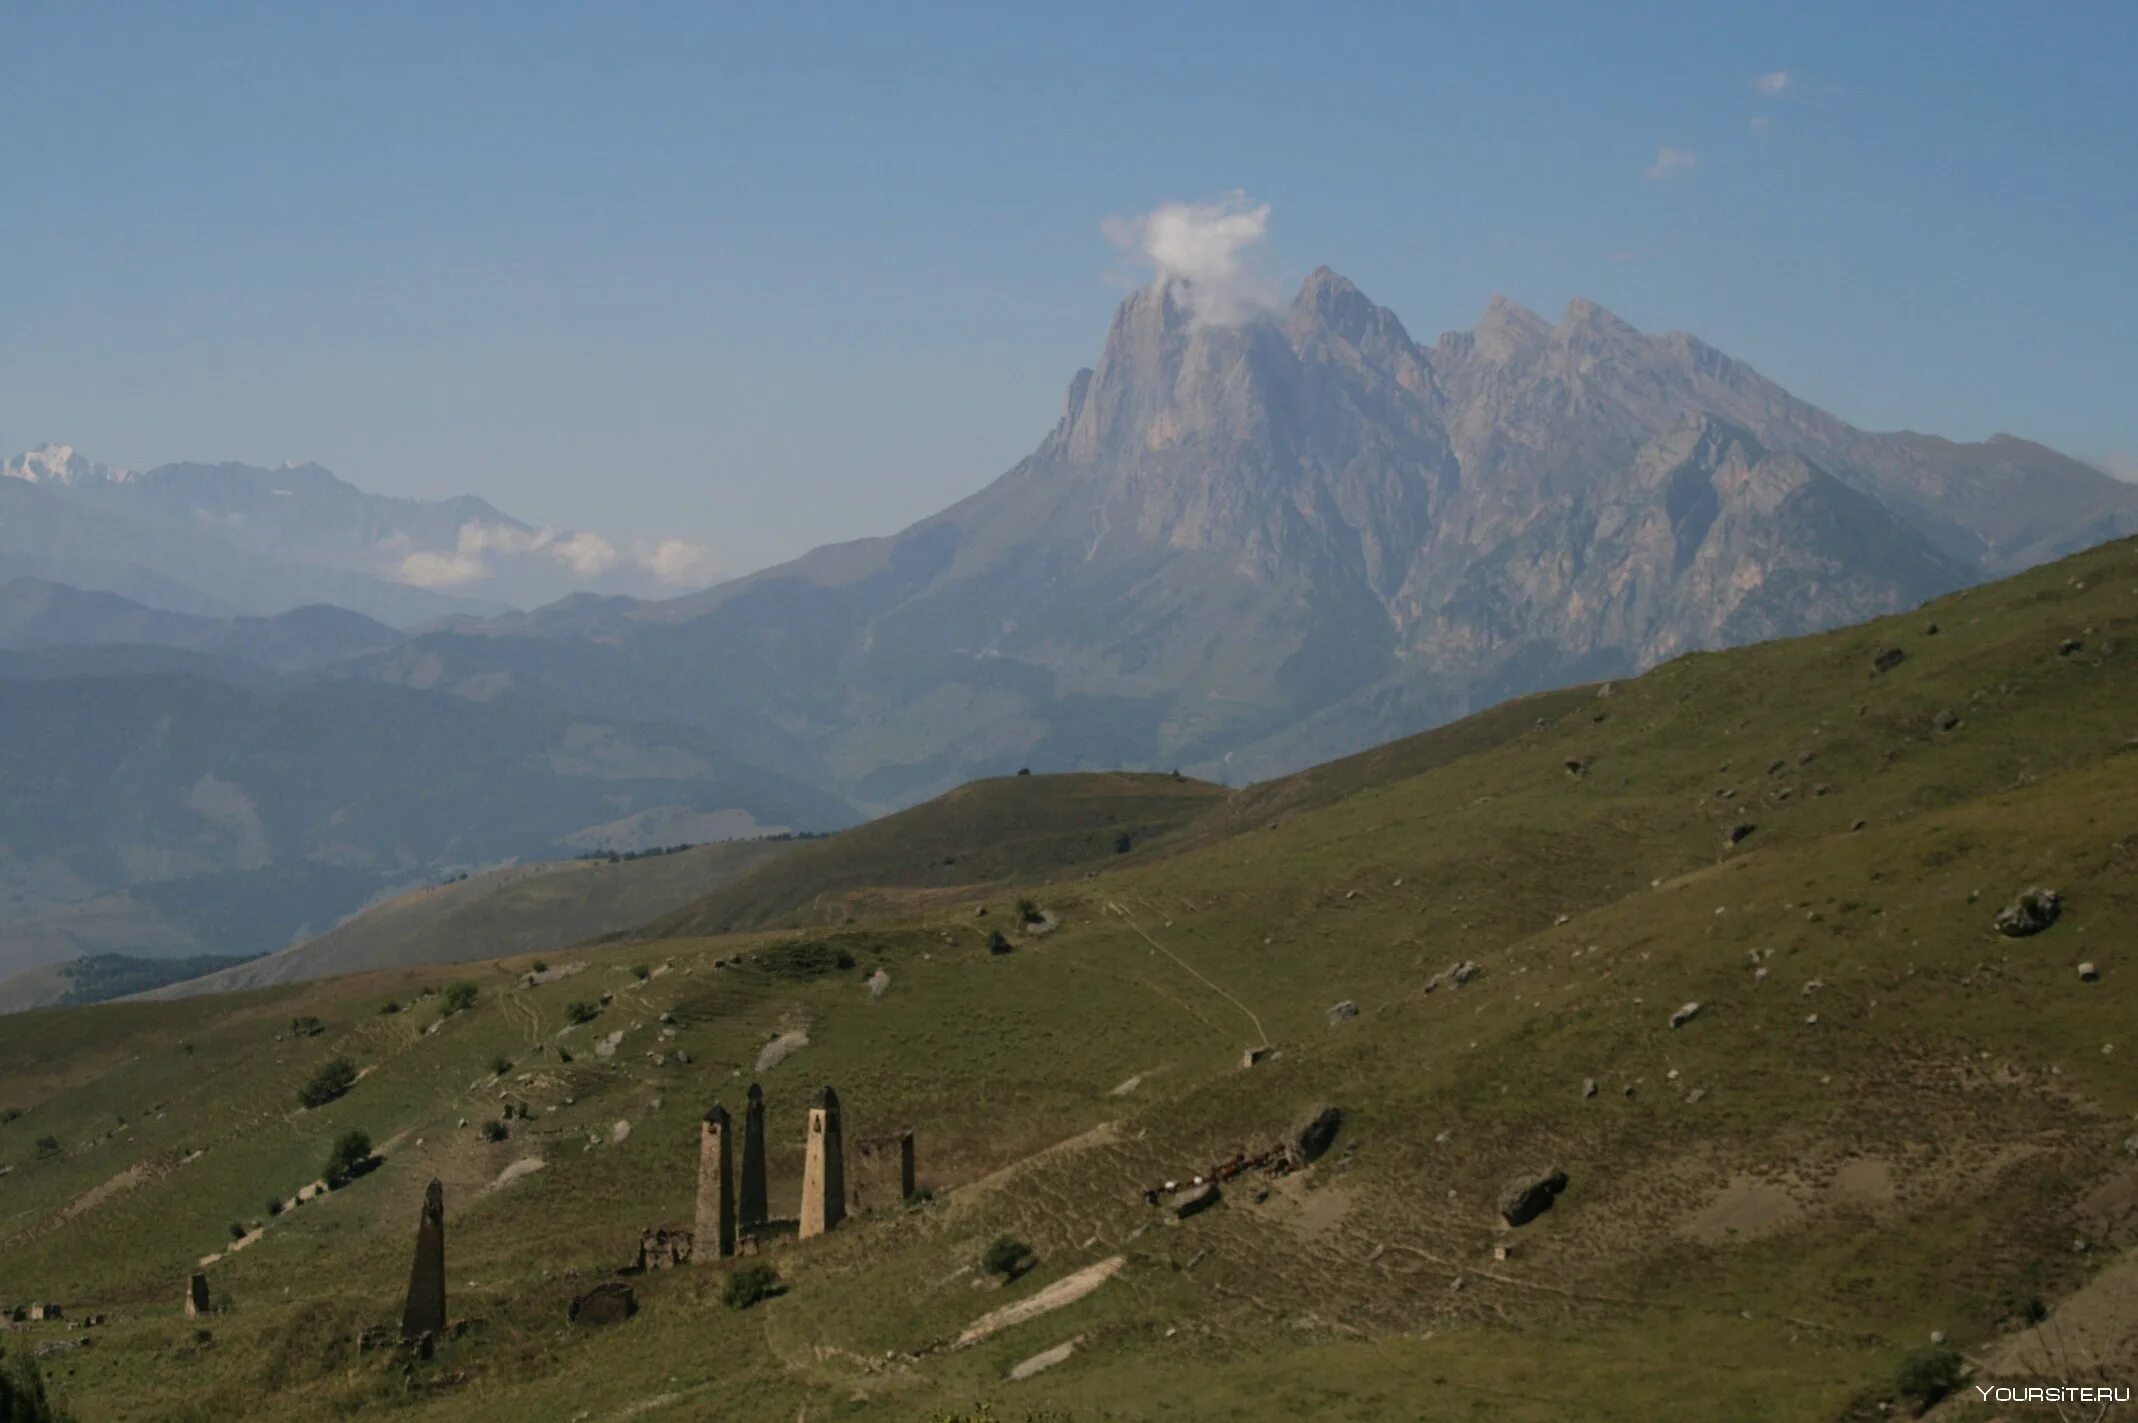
<point x="1251" y="545"/>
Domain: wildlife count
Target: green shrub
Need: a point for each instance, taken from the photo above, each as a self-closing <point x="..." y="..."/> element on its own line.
<point x="500" y="1065"/>
<point x="237" y="1231"/>
<point x="307" y="1026"/>
<point x="334" y="1077"/>
<point x="22" y="1391"/>
<point x="1927" y="1375"/>
<point x="1027" y="912"/>
<point x="538" y="967"/>
<point x="1008" y="1257"/>
<point x="495" y="1131"/>
<point x="640" y="972"/>
<point x="749" y="1285"/>
<point x="274" y="1205"/>
<point x="580" y="1011"/>
<point x="350" y="1158"/>
<point x="1123" y="843"/>
<point x="48" y="1146"/>
<point x="388" y="1008"/>
<point x="459" y="997"/>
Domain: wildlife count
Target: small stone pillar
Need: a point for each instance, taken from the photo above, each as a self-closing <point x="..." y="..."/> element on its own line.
<point x="197" y="1296"/>
<point x="424" y="1311"/>
<point x="823" y="1168"/>
<point x="751" y="1208"/>
<point x="716" y="1186"/>
<point x="906" y="1184"/>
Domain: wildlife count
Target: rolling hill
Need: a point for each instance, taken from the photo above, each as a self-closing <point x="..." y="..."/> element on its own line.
<point x="1720" y="942"/>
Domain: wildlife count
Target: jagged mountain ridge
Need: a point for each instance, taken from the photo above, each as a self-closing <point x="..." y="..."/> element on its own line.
<point x="1248" y="546"/>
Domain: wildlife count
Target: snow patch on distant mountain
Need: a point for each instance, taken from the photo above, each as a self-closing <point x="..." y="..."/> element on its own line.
<point x="58" y="464"/>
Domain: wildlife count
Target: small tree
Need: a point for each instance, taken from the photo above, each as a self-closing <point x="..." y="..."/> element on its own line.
<point x="459" y="997"/>
<point x="495" y="1131"/>
<point x="749" y="1285"/>
<point x="274" y="1205"/>
<point x="48" y="1146"/>
<point x="1123" y="843"/>
<point x="500" y="1065"/>
<point x="350" y="1158"/>
<point x="334" y="1077"/>
<point x="22" y="1392"/>
<point x="998" y="942"/>
<point x="1927" y="1375"/>
<point x="388" y="1008"/>
<point x="307" y="1026"/>
<point x="237" y="1231"/>
<point x="640" y="972"/>
<point x="580" y="1011"/>
<point x="1008" y="1257"/>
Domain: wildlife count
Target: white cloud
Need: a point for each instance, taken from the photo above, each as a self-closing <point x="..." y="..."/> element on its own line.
<point x="1670" y="162"/>
<point x="1212" y="248"/>
<point x="682" y="564"/>
<point x="1761" y="123"/>
<point x="674" y="563"/>
<point x="1774" y="85"/>
<point x="2119" y="464"/>
<point x="441" y="570"/>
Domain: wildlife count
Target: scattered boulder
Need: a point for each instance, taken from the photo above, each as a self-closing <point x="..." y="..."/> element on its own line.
<point x="611" y="1302"/>
<point x="2033" y="911"/>
<point x="879" y="983"/>
<point x="1886" y="659"/>
<point x="1343" y="1012"/>
<point x="1577" y="765"/>
<point x="1523" y="1200"/>
<point x="2069" y="646"/>
<point x="1194" y="1200"/>
<point x="1685" y="1015"/>
<point x="1946" y="720"/>
<point x="2088" y="973"/>
<point x="1256" y="1055"/>
<point x="1588" y="1088"/>
<point x="1739" y="833"/>
<point x="663" y="1247"/>
<point x="1316" y="1132"/>
<point x="998" y="942"/>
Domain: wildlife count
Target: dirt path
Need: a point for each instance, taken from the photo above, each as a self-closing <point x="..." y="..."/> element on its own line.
<point x="1261" y="1037"/>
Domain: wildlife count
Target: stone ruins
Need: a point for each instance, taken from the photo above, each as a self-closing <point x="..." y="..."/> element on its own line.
<point x="751" y="1207"/>
<point x="734" y="1217"/>
<point x="716" y="1183"/>
<point x="197" y="1296"/>
<point x="823" y="1167"/>
<point x="424" y="1311"/>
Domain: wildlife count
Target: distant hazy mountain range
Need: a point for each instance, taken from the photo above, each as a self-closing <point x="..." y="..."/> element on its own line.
<point x="1245" y="546"/>
<point x="233" y="538"/>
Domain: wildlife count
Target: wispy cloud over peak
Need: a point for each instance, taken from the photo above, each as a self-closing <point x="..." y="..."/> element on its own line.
<point x="1212" y="248"/>
<point x="1671" y="163"/>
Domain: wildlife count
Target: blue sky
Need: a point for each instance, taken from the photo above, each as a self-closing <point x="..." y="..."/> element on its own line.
<point x="771" y="276"/>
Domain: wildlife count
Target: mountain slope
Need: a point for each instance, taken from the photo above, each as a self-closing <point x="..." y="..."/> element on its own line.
<point x="1247" y="547"/>
<point x="520" y="909"/>
<point x="162" y="815"/>
<point x="1761" y="1201"/>
<point x="35" y="614"/>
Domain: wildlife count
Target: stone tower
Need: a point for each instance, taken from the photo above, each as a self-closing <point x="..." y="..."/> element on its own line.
<point x="196" y="1295"/>
<point x="751" y="1207"/>
<point x="823" y="1168"/>
<point x="424" y="1312"/>
<point x="716" y="1185"/>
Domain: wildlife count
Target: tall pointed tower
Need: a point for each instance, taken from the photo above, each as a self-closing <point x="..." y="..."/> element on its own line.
<point x="751" y="1208"/>
<point x="716" y="1185"/>
<point x="823" y="1168"/>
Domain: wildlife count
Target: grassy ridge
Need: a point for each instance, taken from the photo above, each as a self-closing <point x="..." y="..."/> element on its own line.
<point x="1903" y="1120"/>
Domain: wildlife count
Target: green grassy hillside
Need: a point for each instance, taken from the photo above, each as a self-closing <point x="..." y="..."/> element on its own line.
<point x="520" y="909"/>
<point x="1026" y="829"/>
<point x="1886" y="1120"/>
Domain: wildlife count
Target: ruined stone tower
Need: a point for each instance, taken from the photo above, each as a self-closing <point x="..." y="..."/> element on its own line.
<point x="716" y="1185"/>
<point x="424" y="1311"/>
<point x="751" y="1208"/>
<point x="883" y="1171"/>
<point x="196" y="1295"/>
<point x="823" y="1168"/>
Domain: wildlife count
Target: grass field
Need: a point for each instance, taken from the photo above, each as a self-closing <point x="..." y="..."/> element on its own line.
<point x="1885" y="1120"/>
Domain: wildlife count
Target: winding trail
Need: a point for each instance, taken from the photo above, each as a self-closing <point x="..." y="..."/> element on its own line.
<point x="1261" y="1036"/>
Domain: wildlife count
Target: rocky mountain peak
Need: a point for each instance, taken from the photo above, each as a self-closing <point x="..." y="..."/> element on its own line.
<point x="61" y="465"/>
